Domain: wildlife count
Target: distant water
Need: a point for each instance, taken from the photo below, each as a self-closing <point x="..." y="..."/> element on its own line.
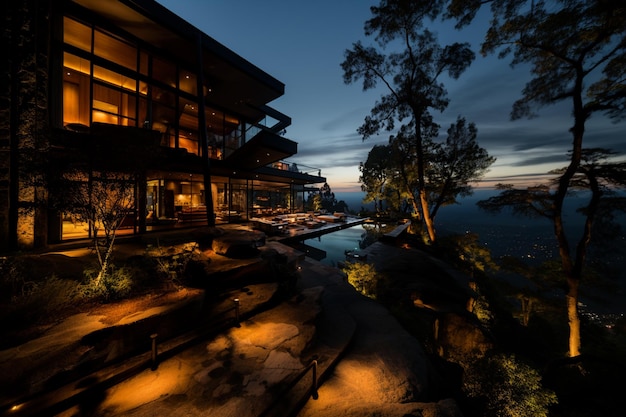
<point x="504" y="234"/>
<point x="354" y="200"/>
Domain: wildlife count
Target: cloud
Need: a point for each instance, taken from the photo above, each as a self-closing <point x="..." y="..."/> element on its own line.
<point x="540" y="160"/>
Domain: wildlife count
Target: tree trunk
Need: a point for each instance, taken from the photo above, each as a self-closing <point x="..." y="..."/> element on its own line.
<point x="430" y="225"/>
<point x="571" y="270"/>
<point x="421" y="177"/>
<point x="572" y="317"/>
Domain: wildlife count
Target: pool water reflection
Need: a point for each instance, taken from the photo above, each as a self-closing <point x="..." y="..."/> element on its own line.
<point x="330" y="248"/>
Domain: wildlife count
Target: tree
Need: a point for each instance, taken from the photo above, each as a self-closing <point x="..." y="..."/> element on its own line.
<point x="102" y="200"/>
<point x="452" y="166"/>
<point x="455" y="164"/>
<point x="576" y="50"/>
<point x="328" y="200"/>
<point x="376" y="174"/>
<point x="325" y="199"/>
<point x="411" y="77"/>
<point x="597" y="175"/>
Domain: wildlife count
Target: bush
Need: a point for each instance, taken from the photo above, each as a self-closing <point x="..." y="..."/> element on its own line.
<point x="117" y="283"/>
<point x="363" y="277"/>
<point x="43" y="300"/>
<point x="507" y="387"/>
<point x="13" y="278"/>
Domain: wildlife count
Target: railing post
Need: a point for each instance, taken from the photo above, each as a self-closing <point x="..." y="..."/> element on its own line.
<point x="236" y="301"/>
<point x="314" y="386"/>
<point x="153" y="336"/>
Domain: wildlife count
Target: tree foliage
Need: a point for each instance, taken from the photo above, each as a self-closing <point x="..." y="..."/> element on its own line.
<point x="411" y="77"/>
<point x="390" y="172"/>
<point x="376" y="175"/>
<point x="324" y="199"/>
<point x="576" y="51"/>
<point x="102" y="200"/>
<point x="454" y="164"/>
<point x="508" y="387"/>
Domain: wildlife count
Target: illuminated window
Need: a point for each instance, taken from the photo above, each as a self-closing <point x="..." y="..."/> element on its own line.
<point x="115" y="50"/>
<point x="113" y="106"/>
<point x="75" y="90"/>
<point x="187" y="82"/>
<point x="188" y="126"/>
<point x="76" y="34"/>
<point x="114" y="78"/>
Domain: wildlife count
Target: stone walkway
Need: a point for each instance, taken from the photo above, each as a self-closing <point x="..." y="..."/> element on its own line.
<point x="367" y="363"/>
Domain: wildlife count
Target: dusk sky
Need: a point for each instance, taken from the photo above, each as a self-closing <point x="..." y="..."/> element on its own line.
<point x="302" y="44"/>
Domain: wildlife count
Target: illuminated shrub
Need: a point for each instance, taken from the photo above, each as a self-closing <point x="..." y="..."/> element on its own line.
<point x="363" y="277"/>
<point x="116" y="284"/>
<point x="507" y="387"/>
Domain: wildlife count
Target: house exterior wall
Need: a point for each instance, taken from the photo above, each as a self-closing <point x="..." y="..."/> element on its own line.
<point x="82" y="91"/>
<point x="24" y="124"/>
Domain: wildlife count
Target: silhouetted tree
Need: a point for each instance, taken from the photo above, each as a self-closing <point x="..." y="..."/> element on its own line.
<point x="454" y="165"/>
<point x="325" y="199"/>
<point x="376" y="173"/>
<point x="576" y="51"/>
<point x="597" y="174"/>
<point x="411" y="76"/>
<point x="451" y="167"/>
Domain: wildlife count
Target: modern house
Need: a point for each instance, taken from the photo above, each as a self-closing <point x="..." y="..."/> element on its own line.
<point x="127" y="86"/>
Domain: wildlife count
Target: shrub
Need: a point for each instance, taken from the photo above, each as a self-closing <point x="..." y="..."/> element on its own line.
<point x="43" y="300"/>
<point x="363" y="277"/>
<point x="117" y="283"/>
<point x="171" y="263"/>
<point x="13" y="278"/>
<point x="507" y="387"/>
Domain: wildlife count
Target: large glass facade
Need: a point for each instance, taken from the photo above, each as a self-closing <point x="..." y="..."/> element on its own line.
<point x="113" y="80"/>
<point x="108" y="79"/>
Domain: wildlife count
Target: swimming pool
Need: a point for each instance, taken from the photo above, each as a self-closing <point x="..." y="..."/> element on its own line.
<point x="330" y="248"/>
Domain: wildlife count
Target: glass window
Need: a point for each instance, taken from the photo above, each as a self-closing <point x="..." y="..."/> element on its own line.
<point x="74" y="63"/>
<point x="164" y="71"/>
<point x="75" y="91"/>
<point x="143" y="62"/>
<point x="187" y="82"/>
<point x="143" y="118"/>
<point x="188" y="126"/>
<point x="114" y="78"/>
<point x="189" y="140"/>
<point x="215" y="132"/>
<point x="163" y="118"/>
<point x="76" y="34"/>
<point x="163" y="96"/>
<point x="113" y="106"/>
<point x="115" y="50"/>
<point x="188" y="114"/>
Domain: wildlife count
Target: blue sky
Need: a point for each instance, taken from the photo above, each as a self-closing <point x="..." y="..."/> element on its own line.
<point x="302" y="44"/>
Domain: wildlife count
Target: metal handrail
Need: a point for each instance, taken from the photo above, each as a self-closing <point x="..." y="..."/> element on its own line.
<point x="270" y="410"/>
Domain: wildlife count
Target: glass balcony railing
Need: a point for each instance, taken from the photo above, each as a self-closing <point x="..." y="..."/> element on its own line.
<point x="293" y="167"/>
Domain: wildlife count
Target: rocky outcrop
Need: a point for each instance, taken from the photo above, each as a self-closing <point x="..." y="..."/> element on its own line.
<point x="459" y="336"/>
<point x="238" y="243"/>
